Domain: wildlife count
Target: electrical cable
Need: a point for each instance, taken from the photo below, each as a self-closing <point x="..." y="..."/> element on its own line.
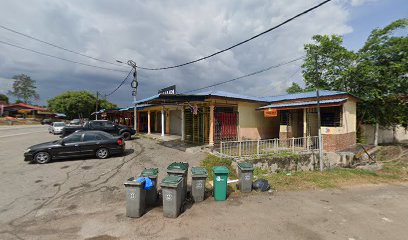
<point x="60" y="58"/>
<point x="247" y="75"/>
<point x="242" y="42"/>
<point x="120" y="85"/>
<point x="59" y="47"/>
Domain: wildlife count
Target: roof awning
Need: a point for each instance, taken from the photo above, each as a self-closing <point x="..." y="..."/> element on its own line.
<point x="309" y="104"/>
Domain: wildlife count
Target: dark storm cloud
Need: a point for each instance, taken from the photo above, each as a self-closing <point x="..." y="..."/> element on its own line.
<point x="161" y="33"/>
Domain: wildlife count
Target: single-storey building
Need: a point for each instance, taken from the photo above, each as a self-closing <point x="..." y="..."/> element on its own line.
<point x="216" y="116"/>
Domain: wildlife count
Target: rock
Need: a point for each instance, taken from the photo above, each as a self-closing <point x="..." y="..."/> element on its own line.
<point x="371" y="166"/>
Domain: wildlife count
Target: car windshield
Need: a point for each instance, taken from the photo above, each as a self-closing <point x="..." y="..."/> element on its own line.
<point x="59" y="124"/>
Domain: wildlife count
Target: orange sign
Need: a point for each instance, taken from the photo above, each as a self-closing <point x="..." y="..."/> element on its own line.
<point x="271" y="112"/>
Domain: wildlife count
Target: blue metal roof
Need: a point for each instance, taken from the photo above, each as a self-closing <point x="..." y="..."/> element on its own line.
<point x="312" y="94"/>
<point x="147" y="99"/>
<point x="228" y="95"/>
<point x="298" y="104"/>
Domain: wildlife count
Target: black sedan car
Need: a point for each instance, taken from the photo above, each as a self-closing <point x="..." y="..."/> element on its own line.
<point x="86" y="143"/>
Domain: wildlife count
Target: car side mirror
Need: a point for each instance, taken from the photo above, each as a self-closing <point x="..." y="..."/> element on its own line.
<point x="62" y="143"/>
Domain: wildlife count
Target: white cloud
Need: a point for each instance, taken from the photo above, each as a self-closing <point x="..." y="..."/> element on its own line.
<point x="162" y="33"/>
<point x="5" y="85"/>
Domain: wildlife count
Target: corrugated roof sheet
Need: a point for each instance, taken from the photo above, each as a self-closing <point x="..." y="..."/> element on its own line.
<point x="294" y="96"/>
<point x="298" y="104"/>
<point x="228" y="95"/>
<point x="148" y="99"/>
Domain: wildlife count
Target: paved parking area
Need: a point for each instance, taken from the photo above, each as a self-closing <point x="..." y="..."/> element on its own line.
<point x="84" y="199"/>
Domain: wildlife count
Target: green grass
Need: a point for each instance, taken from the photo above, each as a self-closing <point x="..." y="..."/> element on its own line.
<point x="330" y="179"/>
<point x="211" y="161"/>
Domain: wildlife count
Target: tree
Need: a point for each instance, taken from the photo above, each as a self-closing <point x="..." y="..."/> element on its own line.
<point x="4" y="98"/>
<point x="295" y="88"/>
<point x="332" y="60"/>
<point x="24" y="88"/>
<point x="377" y="73"/>
<point x="74" y="104"/>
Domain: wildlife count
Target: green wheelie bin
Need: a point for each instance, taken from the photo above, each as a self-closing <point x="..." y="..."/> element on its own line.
<point x="198" y="177"/>
<point x="245" y="174"/>
<point x="151" y="194"/>
<point x="220" y="183"/>
<point x="180" y="169"/>
<point x="172" y="190"/>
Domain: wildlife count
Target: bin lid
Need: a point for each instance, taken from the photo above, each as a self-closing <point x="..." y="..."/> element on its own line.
<point x="148" y="172"/>
<point x="178" y="166"/>
<point x="135" y="182"/>
<point x="171" y="181"/>
<point x="220" y="169"/>
<point x="246" y="166"/>
<point x="199" y="171"/>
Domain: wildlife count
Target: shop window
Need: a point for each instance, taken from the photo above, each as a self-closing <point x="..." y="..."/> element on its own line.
<point x="331" y="116"/>
<point x="284" y="117"/>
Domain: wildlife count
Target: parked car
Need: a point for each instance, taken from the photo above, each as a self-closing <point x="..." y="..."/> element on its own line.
<point x="56" y="127"/>
<point x="89" y="143"/>
<point x="102" y="125"/>
<point x="75" y="122"/>
<point x="47" y="121"/>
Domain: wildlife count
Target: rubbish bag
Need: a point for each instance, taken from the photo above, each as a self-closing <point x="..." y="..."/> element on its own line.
<point x="261" y="185"/>
<point x="148" y="182"/>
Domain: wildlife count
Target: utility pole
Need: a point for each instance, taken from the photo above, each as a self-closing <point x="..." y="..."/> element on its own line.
<point x="96" y="105"/>
<point x="318" y="115"/>
<point x="134" y="85"/>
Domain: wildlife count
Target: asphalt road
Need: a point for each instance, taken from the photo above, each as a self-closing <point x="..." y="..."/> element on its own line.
<point x="84" y="199"/>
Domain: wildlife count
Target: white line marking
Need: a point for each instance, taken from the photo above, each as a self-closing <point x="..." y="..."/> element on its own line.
<point x="18" y="134"/>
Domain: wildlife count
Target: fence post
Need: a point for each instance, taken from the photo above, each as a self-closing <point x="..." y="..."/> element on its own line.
<point x="221" y="147"/>
<point x="293" y="145"/>
<point x="257" y="148"/>
<point x="239" y="148"/>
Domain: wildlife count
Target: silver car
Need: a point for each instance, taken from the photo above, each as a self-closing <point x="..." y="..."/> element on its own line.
<point x="56" y="127"/>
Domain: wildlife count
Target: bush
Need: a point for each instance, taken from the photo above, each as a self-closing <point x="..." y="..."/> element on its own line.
<point x="211" y="161"/>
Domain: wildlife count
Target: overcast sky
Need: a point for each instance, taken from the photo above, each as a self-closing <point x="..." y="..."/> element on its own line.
<point x="163" y="33"/>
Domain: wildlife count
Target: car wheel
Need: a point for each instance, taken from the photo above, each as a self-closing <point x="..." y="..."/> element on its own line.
<point x="42" y="157"/>
<point x="102" y="153"/>
<point x="126" y="136"/>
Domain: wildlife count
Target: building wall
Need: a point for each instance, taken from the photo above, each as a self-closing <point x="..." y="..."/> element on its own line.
<point x="349" y="123"/>
<point x="385" y="135"/>
<point x="175" y="122"/>
<point x="253" y="124"/>
<point x="337" y="142"/>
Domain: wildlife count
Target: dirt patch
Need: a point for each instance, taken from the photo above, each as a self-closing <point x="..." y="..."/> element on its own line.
<point x="102" y="237"/>
<point x="86" y="167"/>
<point x="38" y="181"/>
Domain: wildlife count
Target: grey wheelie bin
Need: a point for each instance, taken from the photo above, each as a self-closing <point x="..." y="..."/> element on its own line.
<point x="245" y="174"/>
<point x="151" y="194"/>
<point x="172" y="189"/>
<point x="199" y="176"/>
<point x="180" y="169"/>
<point x="135" y="197"/>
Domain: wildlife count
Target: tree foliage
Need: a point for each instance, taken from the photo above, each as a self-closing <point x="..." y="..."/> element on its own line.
<point x="77" y="103"/>
<point x="377" y="73"/>
<point x="295" y="88"/>
<point x="4" y="98"/>
<point x="24" y="88"/>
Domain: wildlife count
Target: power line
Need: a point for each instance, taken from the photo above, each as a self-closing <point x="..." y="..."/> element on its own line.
<point x="60" y="58"/>
<point x="247" y="75"/>
<point x="245" y="41"/>
<point x="289" y="78"/>
<point x="120" y="85"/>
<point x="59" y="47"/>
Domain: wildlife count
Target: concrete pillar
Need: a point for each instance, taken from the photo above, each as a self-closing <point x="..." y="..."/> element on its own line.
<point x="211" y="135"/>
<point x="148" y="122"/>
<point x="182" y="124"/>
<point x="162" y="122"/>
<point x="156" y="122"/>
<point x="168" y="122"/>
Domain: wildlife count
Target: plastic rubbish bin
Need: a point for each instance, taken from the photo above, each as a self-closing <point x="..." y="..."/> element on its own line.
<point x="220" y="183"/>
<point x="135" y="197"/>
<point x="151" y="194"/>
<point x="199" y="176"/>
<point x="245" y="174"/>
<point x="180" y="169"/>
<point x="172" y="189"/>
